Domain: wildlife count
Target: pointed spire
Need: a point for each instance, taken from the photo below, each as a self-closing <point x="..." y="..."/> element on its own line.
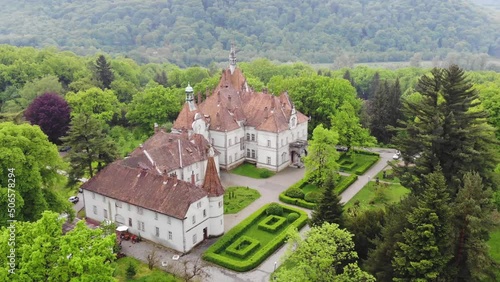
<point x="232" y="58"/>
<point x="212" y="184"/>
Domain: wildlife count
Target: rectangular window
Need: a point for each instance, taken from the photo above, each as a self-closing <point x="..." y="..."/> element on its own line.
<point x="242" y="147"/>
<point x="103" y="199"/>
<point x="248" y="153"/>
<point x="157" y="232"/>
<point x="253" y="137"/>
<point x="269" y="160"/>
<point x="93" y="195"/>
<point x="220" y="204"/>
<point x="197" y="177"/>
<point x="268" y="143"/>
<point x="169" y="235"/>
<point x="129" y="222"/>
<point x="248" y="136"/>
<point x="105" y="213"/>
<point x="204" y="213"/>
<point x="118" y="204"/>
<point x="139" y="210"/>
<point x="212" y="141"/>
<point x="128" y="206"/>
<point x="230" y="142"/>
<point x="195" y="239"/>
<point x="194" y="219"/>
<point x="156" y="216"/>
<point x="253" y="154"/>
<point x="169" y="220"/>
<point x="198" y="205"/>
<point x="94" y="209"/>
<point x="140" y="225"/>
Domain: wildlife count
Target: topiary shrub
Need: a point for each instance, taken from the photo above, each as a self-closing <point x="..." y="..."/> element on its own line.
<point x="313" y="197"/>
<point x="274" y="209"/>
<point x="295" y="193"/>
<point x="292" y="217"/>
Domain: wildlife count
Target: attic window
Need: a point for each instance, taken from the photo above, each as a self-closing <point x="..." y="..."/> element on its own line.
<point x="189" y="150"/>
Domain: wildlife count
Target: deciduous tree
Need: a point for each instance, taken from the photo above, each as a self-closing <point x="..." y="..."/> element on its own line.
<point x="94" y="102"/>
<point x="322" y="156"/>
<point x="52" y="113"/>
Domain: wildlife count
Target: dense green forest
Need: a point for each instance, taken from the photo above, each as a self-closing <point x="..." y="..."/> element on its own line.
<point x="189" y="32"/>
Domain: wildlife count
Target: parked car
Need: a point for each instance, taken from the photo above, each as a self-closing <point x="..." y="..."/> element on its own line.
<point x="397" y="155"/>
<point x="74" y="199"/>
<point x="342" y="149"/>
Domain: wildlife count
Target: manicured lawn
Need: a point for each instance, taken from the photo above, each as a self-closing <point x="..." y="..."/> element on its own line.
<point x="353" y="163"/>
<point x="237" y="198"/>
<point x="250" y="170"/>
<point x="261" y="242"/>
<point x="388" y="172"/>
<point x="142" y="272"/>
<point x="494" y="244"/>
<point x="373" y="196"/>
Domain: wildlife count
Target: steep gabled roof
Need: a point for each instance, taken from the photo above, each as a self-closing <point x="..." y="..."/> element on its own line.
<point x="212" y="184"/>
<point x="145" y="188"/>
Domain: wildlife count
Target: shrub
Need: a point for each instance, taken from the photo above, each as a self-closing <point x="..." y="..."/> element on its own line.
<point x="274" y="209"/>
<point x="272" y="223"/>
<point x="297" y="202"/>
<point x="292" y="217"/>
<point x="345" y="183"/>
<point x="294" y="192"/>
<point x="313" y="197"/>
<point x="266" y="173"/>
<point x="131" y="270"/>
<point x="363" y="168"/>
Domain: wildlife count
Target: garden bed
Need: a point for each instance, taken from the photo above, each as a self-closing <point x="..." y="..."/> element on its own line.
<point x="374" y="196"/>
<point x="357" y="163"/>
<point x="237" y="198"/>
<point x="249" y="230"/>
<point x="250" y="170"/>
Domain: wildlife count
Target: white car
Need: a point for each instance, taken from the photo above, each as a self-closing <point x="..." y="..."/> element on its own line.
<point x="397" y="155"/>
<point x="74" y="199"/>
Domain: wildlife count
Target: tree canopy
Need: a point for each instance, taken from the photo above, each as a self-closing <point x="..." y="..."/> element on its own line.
<point x="322" y="156"/>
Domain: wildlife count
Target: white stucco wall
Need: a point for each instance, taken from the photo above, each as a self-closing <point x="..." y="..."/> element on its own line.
<point x="216" y="226"/>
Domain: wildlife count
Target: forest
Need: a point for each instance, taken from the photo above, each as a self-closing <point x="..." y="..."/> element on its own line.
<point x="51" y="100"/>
<point x="198" y="32"/>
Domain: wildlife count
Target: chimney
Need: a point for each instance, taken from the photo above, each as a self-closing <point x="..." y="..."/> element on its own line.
<point x="156" y="127"/>
<point x="165" y="176"/>
<point x="199" y="98"/>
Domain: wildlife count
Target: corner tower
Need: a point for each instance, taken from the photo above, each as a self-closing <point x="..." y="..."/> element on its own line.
<point x="213" y="187"/>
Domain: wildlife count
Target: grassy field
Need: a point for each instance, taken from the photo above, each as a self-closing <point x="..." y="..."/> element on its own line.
<point x="373" y="196"/>
<point x="494" y="244"/>
<point x="388" y="171"/>
<point x="237" y="198"/>
<point x="250" y="170"/>
<point x="143" y="273"/>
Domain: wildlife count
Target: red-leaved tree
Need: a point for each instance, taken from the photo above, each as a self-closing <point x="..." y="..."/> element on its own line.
<point x="52" y="113"/>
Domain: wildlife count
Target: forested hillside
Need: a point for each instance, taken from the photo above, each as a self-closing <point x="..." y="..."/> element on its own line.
<point x="188" y="32"/>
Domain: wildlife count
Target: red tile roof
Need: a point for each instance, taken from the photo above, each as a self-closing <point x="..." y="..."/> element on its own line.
<point x="233" y="101"/>
<point x="212" y="184"/>
<point x="145" y="188"/>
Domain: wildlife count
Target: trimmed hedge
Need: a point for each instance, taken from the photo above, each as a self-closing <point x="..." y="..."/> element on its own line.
<point x="292" y="217"/>
<point x="296" y="202"/>
<point x="212" y="254"/>
<point x="274" y="209"/>
<point x="362" y="169"/>
<point x="243" y="253"/>
<point x="313" y="197"/>
<point x="295" y="193"/>
<point x="345" y="183"/>
<point x="272" y="228"/>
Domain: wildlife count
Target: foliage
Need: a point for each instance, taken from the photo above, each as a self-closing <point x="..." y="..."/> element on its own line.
<point x="449" y="130"/>
<point x="34" y="162"/>
<point x="143" y="272"/>
<point x="269" y="242"/>
<point x="131" y="270"/>
<point x="292" y="216"/>
<point x="52" y="113"/>
<point x="235" y="248"/>
<point x="366" y="227"/>
<point x="367" y="197"/>
<point x="103" y="72"/>
<point x="99" y="104"/>
<point x="250" y="170"/>
<point x="322" y="156"/>
<point x="154" y="105"/>
<point x="89" y="143"/>
<point x="329" y="209"/>
<point x="351" y="134"/>
<point x="296" y="193"/>
<point x="82" y="253"/>
<point x="326" y="254"/>
<point x="425" y="249"/>
<point x="305" y="31"/>
<point x="240" y="199"/>
<point x="313" y="197"/>
<point x="274" y="209"/>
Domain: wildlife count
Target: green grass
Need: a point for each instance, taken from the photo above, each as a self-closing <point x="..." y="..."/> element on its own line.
<point x="389" y="171"/>
<point x="311" y="187"/>
<point x="494" y="244"/>
<point x="81" y="214"/>
<point x="369" y="198"/>
<point x="250" y="170"/>
<point x="143" y="273"/>
<point x="357" y="160"/>
<point x="241" y="197"/>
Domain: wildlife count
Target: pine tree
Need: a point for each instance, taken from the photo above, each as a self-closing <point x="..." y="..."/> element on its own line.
<point x="104" y="74"/>
<point x="161" y="78"/>
<point x="472" y="212"/>
<point x="89" y="143"/>
<point x="329" y="209"/>
<point x="374" y="86"/>
<point x="378" y="111"/>
<point x="448" y="130"/>
<point x="425" y="249"/>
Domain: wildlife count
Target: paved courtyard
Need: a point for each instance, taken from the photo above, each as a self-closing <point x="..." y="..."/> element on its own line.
<point x="269" y="189"/>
